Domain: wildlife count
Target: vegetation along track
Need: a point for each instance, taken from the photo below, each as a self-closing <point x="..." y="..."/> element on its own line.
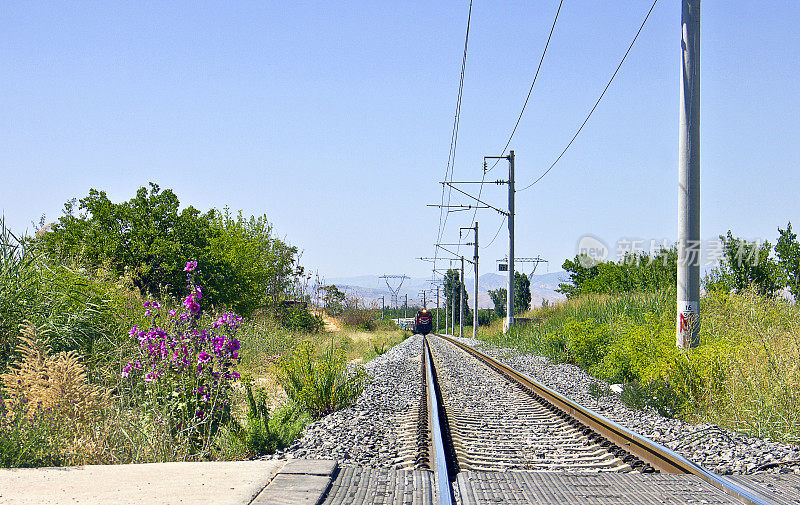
<point x="493" y="418"/>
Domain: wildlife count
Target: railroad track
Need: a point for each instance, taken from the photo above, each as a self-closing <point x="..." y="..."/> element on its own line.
<point x="481" y="415"/>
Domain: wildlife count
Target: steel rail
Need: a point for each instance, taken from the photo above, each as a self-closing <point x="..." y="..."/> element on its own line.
<point x="440" y="469"/>
<point x="658" y="456"/>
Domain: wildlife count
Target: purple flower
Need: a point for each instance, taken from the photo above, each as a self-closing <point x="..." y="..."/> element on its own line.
<point x="194" y="308"/>
<point x="203" y="357"/>
<point x="188" y="301"/>
<point x="146" y="304"/>
<point x="198" y="292"/>
<point x="190" y="266"/>
<point x="172" y="312"/>
<point x="147" y="313"/>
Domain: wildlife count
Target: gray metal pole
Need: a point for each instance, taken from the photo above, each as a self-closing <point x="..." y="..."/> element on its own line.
<point x="510" y="294"/>
<point x="446" y="320"/>
<point x="453" y="311"/>
<point x="461" y="292"/>
<point x="688" y="288"/>
<point x="437" y="308"/>
<point x="475" y="300"/>
<point x="405" y="307"/>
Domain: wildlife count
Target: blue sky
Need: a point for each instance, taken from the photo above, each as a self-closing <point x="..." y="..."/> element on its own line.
<point x="334" y="119"/>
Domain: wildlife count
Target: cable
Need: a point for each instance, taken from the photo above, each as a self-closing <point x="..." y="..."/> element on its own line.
<point x="598" y="100"/>
<point x="519" y="118"/>
<point x="449" y="169"/>
<point x="498" y="232"/>
<point x="530" y="91"/>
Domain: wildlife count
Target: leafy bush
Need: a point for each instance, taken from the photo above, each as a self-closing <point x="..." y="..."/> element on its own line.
<point x="298" y="318"/>
<point x="245" y="266"/>
<point x="587" y="342"/>
<point x="320" y="385"/>
<point x="598" y="391"/>
<point x="261" y="435"/>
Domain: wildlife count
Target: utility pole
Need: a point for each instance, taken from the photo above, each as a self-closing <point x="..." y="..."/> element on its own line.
<point x="453" y="311"/>
<point x="437" y="308"/>
<point x="510" y="294"/>
<point x="424" y="299"/>
<point x="461" y="293"/>
<point x="383" y="307"/>
<point x="475" y="265"/>
<point x="405" y="307"/>
<point x="688" y="289"/>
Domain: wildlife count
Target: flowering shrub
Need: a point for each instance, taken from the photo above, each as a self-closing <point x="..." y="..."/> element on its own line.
<point x="187" y="370"/>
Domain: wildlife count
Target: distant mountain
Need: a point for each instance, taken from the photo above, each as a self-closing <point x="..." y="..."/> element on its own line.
<point x="372" y="287"/>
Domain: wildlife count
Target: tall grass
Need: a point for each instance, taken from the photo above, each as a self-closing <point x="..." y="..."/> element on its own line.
<point x="544" y="334"/>
<point x="751" y="358"/>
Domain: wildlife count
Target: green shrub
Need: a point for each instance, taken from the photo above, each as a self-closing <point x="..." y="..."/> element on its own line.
<point x="260" y="434"/>
<point x="598" y="391"/>
<point x="29" y="443"/>
<point x="587" y="342"/>
<point x="320" y="385"/>
<point x="299" y="318"/>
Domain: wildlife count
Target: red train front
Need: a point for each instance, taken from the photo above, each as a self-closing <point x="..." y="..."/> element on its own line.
<point x="423" y="322"/>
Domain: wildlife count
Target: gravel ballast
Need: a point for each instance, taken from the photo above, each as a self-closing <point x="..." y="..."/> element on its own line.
<point x="722" y="451"/>
<point x="377" y="430"/>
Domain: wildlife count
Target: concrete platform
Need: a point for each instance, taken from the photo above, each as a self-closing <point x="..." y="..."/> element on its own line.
<point x="541" y="488"/>
<point x="218" y="483"/>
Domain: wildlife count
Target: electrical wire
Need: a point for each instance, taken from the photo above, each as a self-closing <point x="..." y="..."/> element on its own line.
<point x="597" y="102"/>
<point x="530" y="91"/>
<point x="450" y="168"/>
<point x="498" y="232"/>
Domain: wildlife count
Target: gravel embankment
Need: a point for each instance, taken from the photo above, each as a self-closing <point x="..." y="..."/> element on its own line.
<point x="374" y="429"/>
<point x="722" y="451"/>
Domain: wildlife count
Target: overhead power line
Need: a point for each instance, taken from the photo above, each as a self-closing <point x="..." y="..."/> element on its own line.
<point x="533" y="83"/>
<point x="598" y="99"/>
<point x="519" y="118"/>
<point x="454" y="135"/>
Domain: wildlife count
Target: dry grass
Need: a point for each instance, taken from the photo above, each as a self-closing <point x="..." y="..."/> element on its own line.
<point x="55" y="387"/>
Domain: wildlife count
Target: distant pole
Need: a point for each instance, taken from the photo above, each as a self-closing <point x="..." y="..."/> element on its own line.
<point x="475" y="300"/>
<point x="405" y="307"/>
<point x="461" y="293"/>
<point x="445" y="313"/>
<point x="510" y="294"/>
<point x="383" y="308"/>
<point x="453" y="310"/>
<point x="437" y="308"/>
<point x="688" y="288"/>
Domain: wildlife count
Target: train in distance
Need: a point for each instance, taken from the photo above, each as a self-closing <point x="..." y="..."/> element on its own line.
<point x="423" y="321"/>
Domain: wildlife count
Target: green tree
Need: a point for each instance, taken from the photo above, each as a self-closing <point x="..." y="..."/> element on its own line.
<point x="253" y="269"/>
<point x="788" y="251"/>
<point x="242" y="266"/>
<point x="522" y="296"/>
<point x="498" y="296"/>
<point x="453" y="287"/>
<point x="146" y="237"/>
<point x="637" y="271"/>
<point x="522" y="293"/>
<point x="333" y="299"/>
<point x="743" y="264"/>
